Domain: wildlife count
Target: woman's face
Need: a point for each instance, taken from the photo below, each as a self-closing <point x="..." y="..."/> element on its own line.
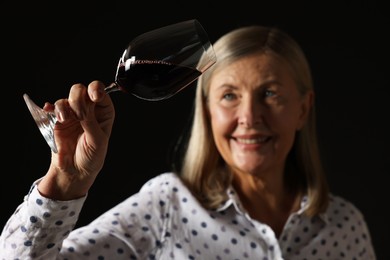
<point x="255" y="110"/>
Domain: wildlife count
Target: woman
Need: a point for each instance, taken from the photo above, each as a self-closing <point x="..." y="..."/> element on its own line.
<point x="251" y="185"/>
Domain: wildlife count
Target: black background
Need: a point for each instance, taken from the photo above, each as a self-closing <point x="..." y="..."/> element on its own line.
<point x="48" y="46"/>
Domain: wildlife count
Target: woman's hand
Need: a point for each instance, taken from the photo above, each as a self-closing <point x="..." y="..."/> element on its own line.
<point x="82" y="133"/>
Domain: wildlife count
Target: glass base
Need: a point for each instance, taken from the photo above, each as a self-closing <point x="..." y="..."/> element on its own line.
<point x="44" y="120"/>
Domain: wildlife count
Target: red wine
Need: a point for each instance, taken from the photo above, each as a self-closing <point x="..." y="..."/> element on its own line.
<point x="154" y="80"/>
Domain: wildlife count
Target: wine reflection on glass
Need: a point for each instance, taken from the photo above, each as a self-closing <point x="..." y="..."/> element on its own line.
<point x="155" y="66"/>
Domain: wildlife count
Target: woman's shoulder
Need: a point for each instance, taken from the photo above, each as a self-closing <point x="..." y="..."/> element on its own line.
<point x="342" y="208"/>
<point x="348" y="221"/>
<point x="340" y="201"/>
<point x="168" y="181"/>
<point x="169" y="189"/>
<point x="162" y="178"/>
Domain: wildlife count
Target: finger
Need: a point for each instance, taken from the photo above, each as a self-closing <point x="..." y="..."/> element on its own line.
<point x="61" y="110"/>
<point x="79" y="101"/>
<point x="96" y="91"/>
<point x="104" y="109"/>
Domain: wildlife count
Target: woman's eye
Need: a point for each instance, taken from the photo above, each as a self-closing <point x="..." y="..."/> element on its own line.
<point x="229" y="96"/>
<point x="269" y="93"/>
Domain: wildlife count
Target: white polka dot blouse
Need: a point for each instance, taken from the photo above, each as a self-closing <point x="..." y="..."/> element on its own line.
<point x="164" y="221"/>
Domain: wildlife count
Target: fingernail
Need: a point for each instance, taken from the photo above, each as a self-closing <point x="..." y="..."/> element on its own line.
<point x="60" y="117"/>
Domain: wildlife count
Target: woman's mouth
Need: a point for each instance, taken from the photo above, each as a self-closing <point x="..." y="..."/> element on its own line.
<point x="257" y="140"/>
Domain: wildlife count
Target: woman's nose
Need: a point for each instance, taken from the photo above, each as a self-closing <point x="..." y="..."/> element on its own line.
<point x="250" y="113"/>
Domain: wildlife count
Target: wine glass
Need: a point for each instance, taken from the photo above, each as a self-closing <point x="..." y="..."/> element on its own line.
<point x="155" y="66"/>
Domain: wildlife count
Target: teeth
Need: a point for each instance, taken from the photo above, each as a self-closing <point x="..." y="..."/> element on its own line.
<point x="252" y="141"/>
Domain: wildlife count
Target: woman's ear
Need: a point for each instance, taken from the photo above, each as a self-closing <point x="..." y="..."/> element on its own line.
<point x="306" y="105"/>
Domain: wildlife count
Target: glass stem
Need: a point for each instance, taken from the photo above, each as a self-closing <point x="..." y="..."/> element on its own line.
<point x="112" y="88"/>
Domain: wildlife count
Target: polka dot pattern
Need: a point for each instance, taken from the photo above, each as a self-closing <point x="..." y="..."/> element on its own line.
<point x="163" y="221"/>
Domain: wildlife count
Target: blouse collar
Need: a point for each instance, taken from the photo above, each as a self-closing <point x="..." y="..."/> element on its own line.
<point x="234" y="200"/>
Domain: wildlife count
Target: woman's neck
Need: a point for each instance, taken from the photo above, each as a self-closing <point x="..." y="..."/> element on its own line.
<point x="266" y="200"/>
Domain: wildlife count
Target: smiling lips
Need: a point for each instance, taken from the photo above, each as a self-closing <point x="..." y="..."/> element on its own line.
<point x="256" y="140"/>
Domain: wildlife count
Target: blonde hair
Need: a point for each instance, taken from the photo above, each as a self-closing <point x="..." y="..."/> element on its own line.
<point x="203" y="169"/>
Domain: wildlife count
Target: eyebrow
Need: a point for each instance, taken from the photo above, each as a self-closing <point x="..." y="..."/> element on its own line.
<point x="227" y="86"/>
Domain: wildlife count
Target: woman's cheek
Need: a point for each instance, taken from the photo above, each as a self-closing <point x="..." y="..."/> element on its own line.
<point x="221" y="120"/>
